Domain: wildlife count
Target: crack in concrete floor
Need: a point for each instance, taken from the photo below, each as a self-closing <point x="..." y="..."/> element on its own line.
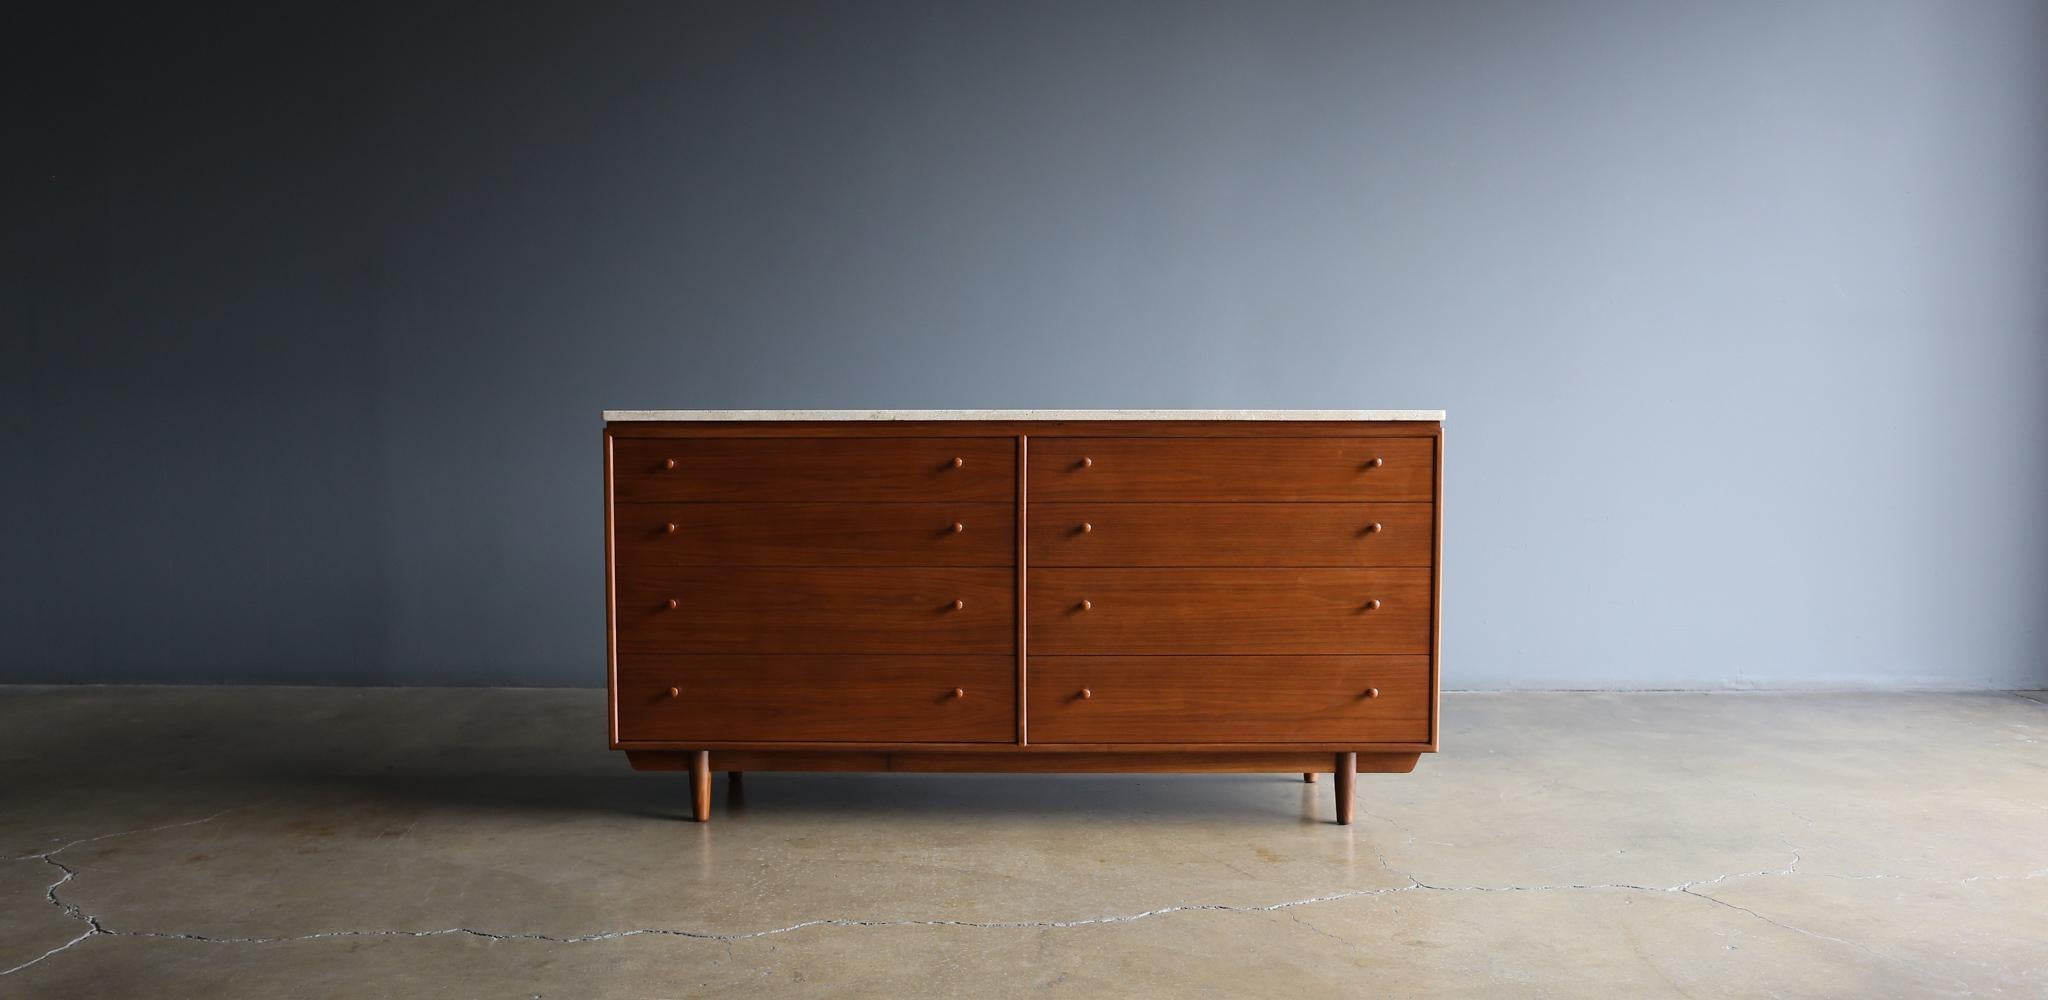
<point x="96" y="928"/>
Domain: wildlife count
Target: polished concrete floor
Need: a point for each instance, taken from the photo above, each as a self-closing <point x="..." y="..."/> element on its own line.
<point x="225" y="842"/>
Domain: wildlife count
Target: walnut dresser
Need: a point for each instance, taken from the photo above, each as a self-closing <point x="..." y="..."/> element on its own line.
<point x="1023" y="590"/>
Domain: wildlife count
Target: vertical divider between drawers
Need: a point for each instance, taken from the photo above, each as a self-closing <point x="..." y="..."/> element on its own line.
<point x="1023" y="721"/>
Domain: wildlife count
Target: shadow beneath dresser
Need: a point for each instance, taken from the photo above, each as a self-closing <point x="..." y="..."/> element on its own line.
<point x="847" y="797"/>
<point x="538" y="754"/>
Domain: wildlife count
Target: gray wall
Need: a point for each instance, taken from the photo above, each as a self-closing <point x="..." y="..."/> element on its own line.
<point x="1738" y="308"/>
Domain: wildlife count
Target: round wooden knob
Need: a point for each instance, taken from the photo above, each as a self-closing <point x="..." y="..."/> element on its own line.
<point x="1086" y="694"/>
<point x="1372" y="692"/>
<point x="959" y="605"/>
<point x="1373" y="605"/>
<point x="959" y="692"/>
<point x="1374" y="528"/>
<point x="1087" y="605"/>
<point x="1375" y="463"/>
<point x="958" y="527"/>
<point x="675" y="692"/>
<point x="1086" y="462"/>
<point x="958" y="462"/>
<point x="674" y="604"/>
<point x="668" y="463"/>
<point x="671" y="527"/>
<point x="1086" y="527"/>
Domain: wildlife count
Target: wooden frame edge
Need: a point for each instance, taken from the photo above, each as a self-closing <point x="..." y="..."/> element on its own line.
<point x="611" y="624"/>
<point x="1288" y="762"/>
<point x="1436" y="604"/>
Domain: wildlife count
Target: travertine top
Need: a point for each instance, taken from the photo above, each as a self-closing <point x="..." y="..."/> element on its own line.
<point x="1333" y="415"/>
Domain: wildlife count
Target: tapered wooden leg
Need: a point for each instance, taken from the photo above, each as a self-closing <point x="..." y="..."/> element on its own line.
<point x="700" y="786"/>
<point x="1309" y="776"/>
<point x="1347" y="775"/>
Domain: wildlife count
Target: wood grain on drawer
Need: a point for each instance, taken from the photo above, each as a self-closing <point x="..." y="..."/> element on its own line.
<point x="822" y="698"/>
<point x="1280" y="469"/>
<point x="817" y="534"/>
<point x="784" y="610"/>
<point x="820" y="469"/>
<point x="1231" y="534"/>
<point x="1229" y="699"/>
<point x="1188" y="611"/>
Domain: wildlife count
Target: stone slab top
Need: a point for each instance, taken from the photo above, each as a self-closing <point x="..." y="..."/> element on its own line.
<point x="630" y="416"/>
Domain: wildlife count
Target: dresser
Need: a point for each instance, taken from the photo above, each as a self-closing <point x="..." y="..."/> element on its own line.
<point x="1023" y="590"/>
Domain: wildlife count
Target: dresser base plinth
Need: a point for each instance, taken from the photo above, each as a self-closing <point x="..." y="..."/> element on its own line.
<point x="1308" y="763"/>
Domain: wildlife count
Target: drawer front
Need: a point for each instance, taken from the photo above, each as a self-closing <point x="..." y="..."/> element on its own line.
<point x="1229" y="699"/>
<point x="816" y="534"/>
<point x="1231" y="534"/>
<point x="823" y="698"/>
<point x="817" y="469"/>
<point x="1193" y="611"/>
<point x="788" y="610"/>
<point x="1231" y="469"/>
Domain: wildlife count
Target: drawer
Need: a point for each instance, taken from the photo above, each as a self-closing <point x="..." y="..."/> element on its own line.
<point x="1229" y="699"/>
<point x="815" y="534"/>
<point x="1232" y="534"/>
<point x="1278" y="469"/>
<point x="1192" y="611"/>
<point x="789" y="610"/>
<point x="818" y="469"/>
<point x="898" y="699"/>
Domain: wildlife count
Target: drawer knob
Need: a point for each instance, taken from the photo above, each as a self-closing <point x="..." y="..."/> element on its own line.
<point x="668" y="463"/>
<point x="959" y="605"/>
<point x="1374" y="528"/>
<point x="674" y="604"/>
<point x="670" y="527"/>
<point x="959" y="692"/>
<point x="958" y="527"/>
<point x="675" y="692"/>
<point x="1372" y="692"/>
<point x="1087" y="605"/>
<point x="1086" y="694"/>
<point x="1086" y="462"/>
<point x="1086" y="527"/>
<point x="1373" y="605"/>
<point x="958" y="461"/>
<point x="1375" y="463"/>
